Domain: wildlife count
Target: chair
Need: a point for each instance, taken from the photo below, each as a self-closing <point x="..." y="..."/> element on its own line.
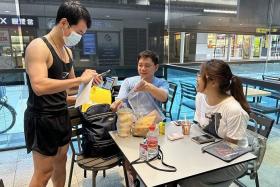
<point x="115" y="92"/>
<point x="269" y="77"/>
<point x="257" y="107"/>
<point x="1" y="183"/>
<point x="264" y="124"/>
<point x="171" y="96"/>
<point x="188" y="93"/>
<point x="93" y="164"/>
<point x="262" y="127"/>
<point x="274" y="95"/>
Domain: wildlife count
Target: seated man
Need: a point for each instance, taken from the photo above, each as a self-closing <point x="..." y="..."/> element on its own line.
<point x="146" y="81"/>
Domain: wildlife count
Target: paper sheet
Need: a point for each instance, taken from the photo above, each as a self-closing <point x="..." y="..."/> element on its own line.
<point x="83" y="94"/>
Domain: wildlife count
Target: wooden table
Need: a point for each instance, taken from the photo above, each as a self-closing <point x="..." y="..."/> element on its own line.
<point x="184" y="154"/>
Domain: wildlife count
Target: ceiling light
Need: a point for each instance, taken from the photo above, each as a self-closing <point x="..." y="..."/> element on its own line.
<point x="220" y="11"/>
<point x="148" y="18"/>
<point x="142" y="2"/>
<point x="7" y="11"/>
<point x="107" y="16"/>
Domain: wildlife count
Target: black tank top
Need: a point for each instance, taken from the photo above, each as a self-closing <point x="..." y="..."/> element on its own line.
<point x="51" y="103"/>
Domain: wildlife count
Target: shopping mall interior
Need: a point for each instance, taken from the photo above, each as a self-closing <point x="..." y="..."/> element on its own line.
<point x="184" y="33"/>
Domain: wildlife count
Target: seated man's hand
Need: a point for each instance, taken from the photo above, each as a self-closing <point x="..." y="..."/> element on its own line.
<point x="142" y="86"/>
<point x="115" y="105"/>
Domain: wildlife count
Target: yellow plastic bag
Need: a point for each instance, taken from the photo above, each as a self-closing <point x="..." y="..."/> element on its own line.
<point x="98" y="96"/>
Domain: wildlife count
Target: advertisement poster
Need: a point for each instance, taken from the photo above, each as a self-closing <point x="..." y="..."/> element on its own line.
<point x="108" y="48"/>
<point x="89" y="44"/>
<point x="257" y="44"/>
<point x="246" y="46"/>
<point x="211" y="41"/>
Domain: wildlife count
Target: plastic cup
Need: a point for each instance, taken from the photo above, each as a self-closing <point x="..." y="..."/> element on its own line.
<point x="186" y="127"/>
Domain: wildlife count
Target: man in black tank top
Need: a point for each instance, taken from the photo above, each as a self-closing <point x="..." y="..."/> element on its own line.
<point x="50" y="73"/>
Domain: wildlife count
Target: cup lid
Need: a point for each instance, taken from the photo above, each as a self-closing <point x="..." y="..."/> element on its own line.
<point x="152" y="127"/>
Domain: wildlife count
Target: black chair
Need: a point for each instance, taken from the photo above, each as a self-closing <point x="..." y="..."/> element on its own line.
<point x="93" y="164"/>
<point x="262" y="125"/>
<point x="274" y="94"/>
<point x="270" y="77"/>
<point x="258" y="107"/>
<point x="1" y="183"/>
<point x="167" y="106"/>
<point x="188" y="93"/>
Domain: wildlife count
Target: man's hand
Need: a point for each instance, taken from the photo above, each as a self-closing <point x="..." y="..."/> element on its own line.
<point x="143" y="86"/>
<point x="88" y="74"/>
<point x="115" y="105"/>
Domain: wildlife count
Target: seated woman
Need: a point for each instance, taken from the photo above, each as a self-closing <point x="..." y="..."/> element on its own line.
<point x="220" y="92"/>
<point x="148" y="63"/>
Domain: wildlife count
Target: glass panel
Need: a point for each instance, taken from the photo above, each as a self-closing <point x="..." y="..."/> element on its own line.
<point x="245" y="34"/>
<point x="234" y="31"/>
<point x="176" y="76"/>
<point x="120" y="30"/>
<point x="12" y="90"/>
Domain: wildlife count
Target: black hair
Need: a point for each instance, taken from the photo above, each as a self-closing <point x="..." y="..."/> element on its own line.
<point x="73" y="11"/>
<point x="148" y="54"/>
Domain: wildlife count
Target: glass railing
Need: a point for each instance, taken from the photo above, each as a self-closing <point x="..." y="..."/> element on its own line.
<point x="251" y="75"/>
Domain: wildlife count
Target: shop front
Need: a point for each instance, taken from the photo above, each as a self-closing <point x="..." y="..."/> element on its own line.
<point x="15" y="34"/>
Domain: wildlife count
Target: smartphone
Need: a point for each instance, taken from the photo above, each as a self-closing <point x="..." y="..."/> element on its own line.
<point x="205" y="138"/>
<point x="178" y="122"/>
<point x="105" y="73"/>
<point x="108" y="84"/>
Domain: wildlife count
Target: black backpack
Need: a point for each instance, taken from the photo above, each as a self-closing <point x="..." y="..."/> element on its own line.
<point x="97" y="121"/>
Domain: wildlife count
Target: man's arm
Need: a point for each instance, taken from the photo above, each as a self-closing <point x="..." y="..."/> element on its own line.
<point x="159" y="94"/>
<point x="71" y="100"/>
<point x="123" y="92"/>
<point x="37" y="70"/>
<point x="36" y="67"/>
<point x="73" y="90"/>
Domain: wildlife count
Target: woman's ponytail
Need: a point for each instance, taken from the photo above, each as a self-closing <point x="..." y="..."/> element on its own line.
<point x="236" y="90"/>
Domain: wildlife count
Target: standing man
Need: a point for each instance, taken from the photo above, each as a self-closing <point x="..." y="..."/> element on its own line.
<point x="50" y="73"/>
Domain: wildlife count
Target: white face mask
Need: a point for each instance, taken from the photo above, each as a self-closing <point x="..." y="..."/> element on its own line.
<point x="73" y="39"/>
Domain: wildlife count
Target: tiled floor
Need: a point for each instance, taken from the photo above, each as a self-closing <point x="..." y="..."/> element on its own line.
<point x="16" y="168"/>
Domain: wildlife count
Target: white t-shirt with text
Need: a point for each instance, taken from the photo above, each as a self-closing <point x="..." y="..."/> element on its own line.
<point x="234" y="118"/>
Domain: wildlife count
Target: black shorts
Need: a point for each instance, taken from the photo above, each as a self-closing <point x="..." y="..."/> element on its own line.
<point x="45" y="133"/>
